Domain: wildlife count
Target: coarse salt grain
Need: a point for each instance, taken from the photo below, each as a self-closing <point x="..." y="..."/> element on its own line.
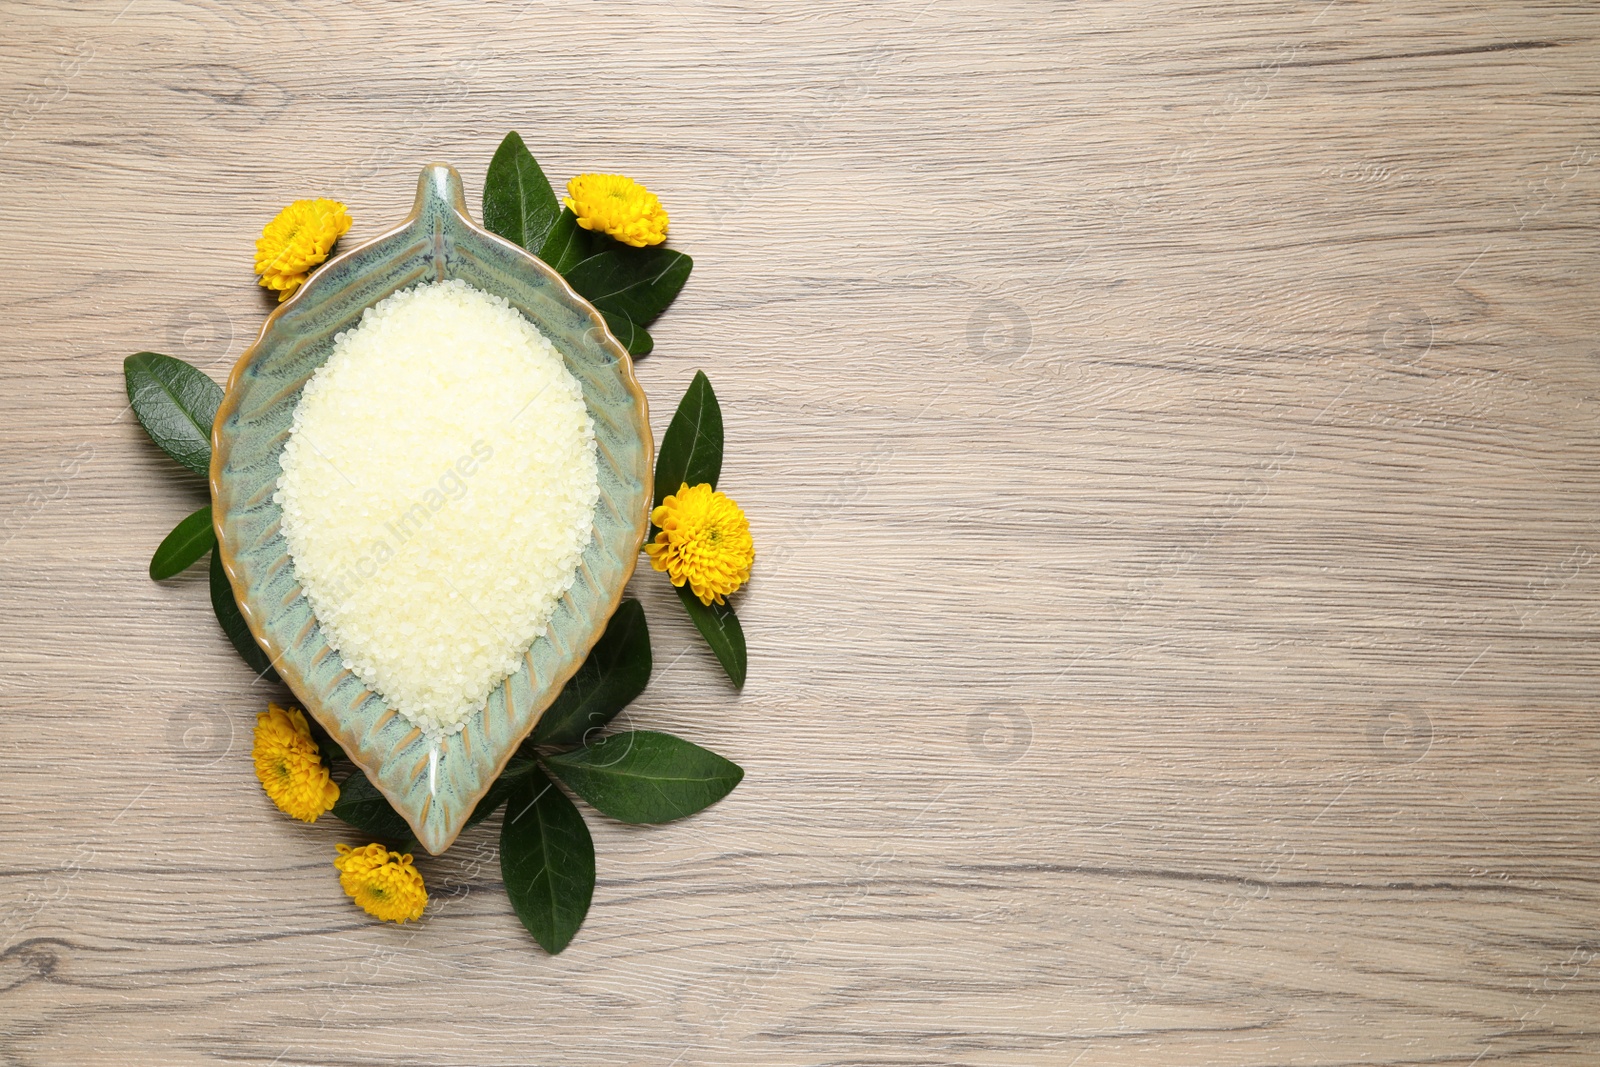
<point x="438" y="490"/>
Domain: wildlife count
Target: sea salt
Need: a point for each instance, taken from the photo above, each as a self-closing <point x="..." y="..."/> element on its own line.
<point x="438" y="489"/>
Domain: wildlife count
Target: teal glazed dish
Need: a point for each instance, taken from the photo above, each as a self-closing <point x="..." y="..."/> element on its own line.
<point x="433" y="782"/>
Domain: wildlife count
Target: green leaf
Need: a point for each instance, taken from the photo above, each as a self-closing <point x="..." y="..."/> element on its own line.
<point x="617" y="670"/>
<point x="233" y="624"/>
<point x="176" y="405"/>
<point x="635" y="338"/>
<point x="636" y="282"/>
<point x="644" y="776"/>
<point x="691" y="453"/>
<point x="546" y="861"/>
<point x="629" y="286"/>
<point x="498" y="789"/>
<point x="183" y="547"/>
<point x="568" y="244"/>
<point x="362" y="806"/>
<point x="518" y="203"/>
<point x="691" y="449"/>
<point x="720" y="627"/>
<point x="525" y="761"/>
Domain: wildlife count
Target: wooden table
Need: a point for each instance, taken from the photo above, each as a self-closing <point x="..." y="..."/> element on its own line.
<point x="1169" y="433"/>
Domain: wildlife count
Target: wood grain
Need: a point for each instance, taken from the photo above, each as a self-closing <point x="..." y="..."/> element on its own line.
<point x="1169" y="434"/>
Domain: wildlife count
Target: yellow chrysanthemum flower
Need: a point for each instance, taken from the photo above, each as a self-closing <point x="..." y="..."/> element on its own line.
<point x="617" y="206"/>
<point x="290" y="766"/>
<point x="704" y="540"/>
<point x="297" y="240"/>
<point x="384" y="883"/>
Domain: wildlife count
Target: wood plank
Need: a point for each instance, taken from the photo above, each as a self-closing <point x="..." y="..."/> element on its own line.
<point x="1169" y="437"/>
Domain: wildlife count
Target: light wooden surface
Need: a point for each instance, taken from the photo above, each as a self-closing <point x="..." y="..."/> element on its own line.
<point x="1170" y="434"/>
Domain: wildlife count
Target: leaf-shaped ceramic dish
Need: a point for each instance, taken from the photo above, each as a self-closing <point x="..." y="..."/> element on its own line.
<point x="434" y="784"/>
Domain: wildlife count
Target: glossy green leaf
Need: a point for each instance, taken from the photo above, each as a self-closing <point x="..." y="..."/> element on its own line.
<point x="362" y="806"/>
<point x="496" y="796"/>
<point x="629" y="286"/>
<point x="546" y="861"/>
<point x="183" y="547"/>
<point x="524" y="761"/>
<point x="691" y="453"/>
<point x="646" y="777"/>
<point x="568" y="244"/>
<point x="638" y="283"/>
<point x="720" y="627"/>
<point x="176" y="404"/>
<point x="617" y="670"/>
<point x="691" y="449"/>
<point x="518" y="203"/>
<point x="635" y="338"/>
<point x="233" y="624"/>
